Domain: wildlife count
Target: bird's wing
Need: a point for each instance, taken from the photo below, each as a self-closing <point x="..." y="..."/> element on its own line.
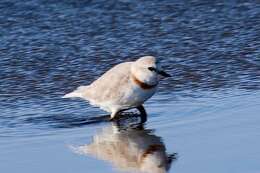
<point x="111" y="85"/>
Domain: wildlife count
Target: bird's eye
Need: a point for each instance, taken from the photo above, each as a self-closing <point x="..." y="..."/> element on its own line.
<point x="151" y="69"/>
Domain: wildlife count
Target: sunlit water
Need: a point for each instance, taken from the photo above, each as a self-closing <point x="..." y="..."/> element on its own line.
<point x="204" y="119"/>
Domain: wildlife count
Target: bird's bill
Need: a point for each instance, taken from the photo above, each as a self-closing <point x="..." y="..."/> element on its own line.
<point x="163" y="73"/>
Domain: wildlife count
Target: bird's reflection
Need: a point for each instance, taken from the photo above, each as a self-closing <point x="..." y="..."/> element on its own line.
<point x="131" y="148"/>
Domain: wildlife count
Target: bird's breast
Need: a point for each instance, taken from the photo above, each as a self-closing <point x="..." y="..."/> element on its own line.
<point x="138" y="95"/>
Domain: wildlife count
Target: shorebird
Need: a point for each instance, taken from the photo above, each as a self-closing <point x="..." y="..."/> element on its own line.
<point x="125" y="86"/>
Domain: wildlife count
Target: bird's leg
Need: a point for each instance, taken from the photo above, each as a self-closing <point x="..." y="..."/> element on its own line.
<point x="114" y="115"/>
<point x="143" y="113"/>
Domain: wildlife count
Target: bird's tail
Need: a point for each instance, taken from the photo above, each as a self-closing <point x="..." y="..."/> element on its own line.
<point x="77" y="93"/>
<point x="72" y="95"/>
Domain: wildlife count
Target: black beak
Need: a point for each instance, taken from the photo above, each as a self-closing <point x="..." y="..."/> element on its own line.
<point x="163" y="73"/>
<point x="159" y="72"/>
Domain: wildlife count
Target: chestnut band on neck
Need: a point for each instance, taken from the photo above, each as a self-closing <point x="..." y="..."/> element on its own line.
<point x="143" y="85"/>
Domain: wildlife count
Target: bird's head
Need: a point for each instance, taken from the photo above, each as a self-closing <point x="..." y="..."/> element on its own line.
<point x="147" y="70"/>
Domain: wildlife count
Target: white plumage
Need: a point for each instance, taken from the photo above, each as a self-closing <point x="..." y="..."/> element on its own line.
<point x="126" y="85"/>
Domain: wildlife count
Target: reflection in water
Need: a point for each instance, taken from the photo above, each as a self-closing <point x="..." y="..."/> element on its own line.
<point x="129" y="149"/>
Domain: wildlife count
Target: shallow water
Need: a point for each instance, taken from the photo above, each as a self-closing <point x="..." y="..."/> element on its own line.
<point x="203" y="119"/>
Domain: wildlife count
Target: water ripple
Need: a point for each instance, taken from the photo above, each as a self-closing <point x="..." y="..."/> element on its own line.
<point x="48" y="48"/>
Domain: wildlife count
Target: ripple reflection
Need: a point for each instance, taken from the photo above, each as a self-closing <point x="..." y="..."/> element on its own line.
<point x="131" y="148"/>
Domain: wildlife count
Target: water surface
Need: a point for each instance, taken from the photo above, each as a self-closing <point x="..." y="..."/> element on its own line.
<point x="203" y="119"/>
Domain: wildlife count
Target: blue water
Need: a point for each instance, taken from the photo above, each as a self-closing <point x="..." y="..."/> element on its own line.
<point x="203" y="119"/>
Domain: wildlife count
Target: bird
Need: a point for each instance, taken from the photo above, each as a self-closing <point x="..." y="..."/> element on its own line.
<point x="125" y="86"/>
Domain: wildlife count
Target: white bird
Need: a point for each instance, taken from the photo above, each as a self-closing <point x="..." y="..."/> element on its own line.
<point x="125" y="86"/>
